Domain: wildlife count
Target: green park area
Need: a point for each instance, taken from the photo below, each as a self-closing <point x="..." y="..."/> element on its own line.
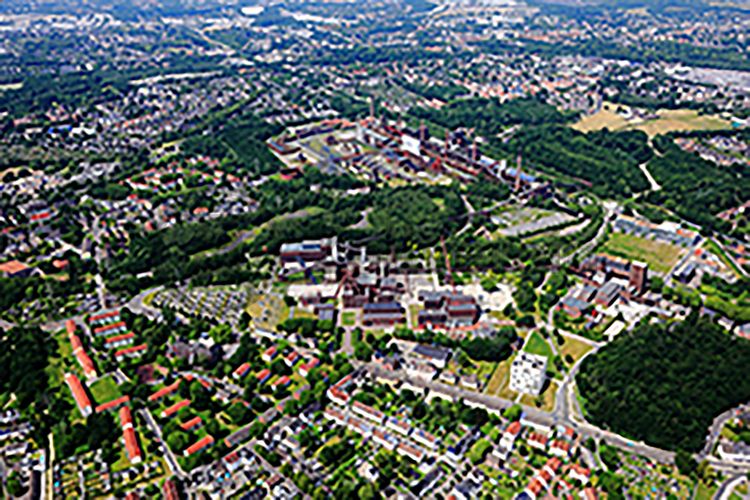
<point x="105" y="389"/>
<point x="659" y="256"/>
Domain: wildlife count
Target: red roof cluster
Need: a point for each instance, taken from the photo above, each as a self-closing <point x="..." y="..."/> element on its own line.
<point x="83" y="359"/>
<point x="305" y="368"/>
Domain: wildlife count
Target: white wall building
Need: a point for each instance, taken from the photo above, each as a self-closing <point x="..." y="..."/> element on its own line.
<point x="528" y="373"/>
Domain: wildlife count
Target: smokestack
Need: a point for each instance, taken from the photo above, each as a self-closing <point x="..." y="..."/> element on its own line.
<point x="422" y="132"/>
<point x="518" y="173"/>
<point x="372" y="109"/>
<point x="445" y="148"/>
<point x="474" y="151"/>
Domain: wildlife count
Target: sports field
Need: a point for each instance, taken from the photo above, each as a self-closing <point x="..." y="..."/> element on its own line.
<point x="659" y="256"/>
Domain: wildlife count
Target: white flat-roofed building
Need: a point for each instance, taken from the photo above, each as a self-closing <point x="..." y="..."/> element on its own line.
<point x="528" y="373"/>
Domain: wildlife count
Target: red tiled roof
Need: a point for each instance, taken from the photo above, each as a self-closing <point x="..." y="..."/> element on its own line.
<point x="309" y="365"/>
<point x="85" y="361"/>
<point x="535" y="486"/>
<point x="125" y="416"/>
<point x="131" y="444"/>
<point x="75" y="342"/>
<point x="13" y="267"/>
<point x="112" y="326"/>
<point x="175" y="408"/>
<point x="186" y="426"/>
<point x="105" y="315"/>
<point x="263" y="374"/>
<point x="40" y="216"/>
<point x="170" y="490"/>
<point x="79" y="393"/>
<point x="60" y="263"/>
<point x="241" y="370"/>
<point x="270" y="351"/>
<point x="112" y="404"/>
<point x="581" y="470"/>
<point x="132" y="349"/>
<point x="164" y="391"/>
<point x="514" y="428"/>
<point x="117" y="338"/>
<point x="199" y="445"/>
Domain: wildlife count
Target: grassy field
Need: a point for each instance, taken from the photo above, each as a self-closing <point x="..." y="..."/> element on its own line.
<point x="604" y="118"/>
<point x="661" y="257"/>
<point x="681" y="120"/>
<point x="574" y="347"/>
<point x="713" y="247"/>
<point x="498" y="384"/>
<point x="536" y="344"/>
<point x="667" y="120"/>
<point x="703" y="492"/>
<point x="105" y="389"/>
<point x="267" y="311"/>
<point x="548" y="398"/>
<point x="348" y="318"/>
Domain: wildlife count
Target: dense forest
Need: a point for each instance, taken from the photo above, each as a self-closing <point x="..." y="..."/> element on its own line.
<point x="490" y="116"/>
<point x="696" y="189"/>
<point x="607" y="160"/>
<point x="664" y="384"/>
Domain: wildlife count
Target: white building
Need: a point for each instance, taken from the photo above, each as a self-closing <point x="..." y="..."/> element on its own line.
<point x="528" y="373"/>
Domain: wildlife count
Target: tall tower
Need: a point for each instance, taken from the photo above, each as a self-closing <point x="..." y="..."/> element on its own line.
<point x="372" y="109"/>
<point x="518" y="173"/>
<point x="637" y="276"/>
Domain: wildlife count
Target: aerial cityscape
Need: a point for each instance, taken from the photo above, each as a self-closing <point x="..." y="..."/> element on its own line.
<point x="375" y="249"/>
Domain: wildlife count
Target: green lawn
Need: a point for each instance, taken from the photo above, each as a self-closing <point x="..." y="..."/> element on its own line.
<point x="348" y="318"/>
<point x="498" y="384"/>
<point x="536" y="344"/>
<point x="716" y="249"/>
<point x="104" y="390"/>
<point x="573" y="347"/>
<point x="660" y="257"/>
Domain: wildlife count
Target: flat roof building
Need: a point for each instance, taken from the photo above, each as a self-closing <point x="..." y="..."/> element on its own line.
<point x="528" y="373"/>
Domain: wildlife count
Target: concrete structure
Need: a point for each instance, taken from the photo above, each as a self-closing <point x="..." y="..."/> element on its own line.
<point x="528" y="373"/>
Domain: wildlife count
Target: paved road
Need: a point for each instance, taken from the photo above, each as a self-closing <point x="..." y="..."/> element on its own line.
<point x="728" y="486"/>
<point x="494" y="403"/>
<point x="174" y="466"/>
<point x="714" y="432"/>
<point x="591" y="244"/>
